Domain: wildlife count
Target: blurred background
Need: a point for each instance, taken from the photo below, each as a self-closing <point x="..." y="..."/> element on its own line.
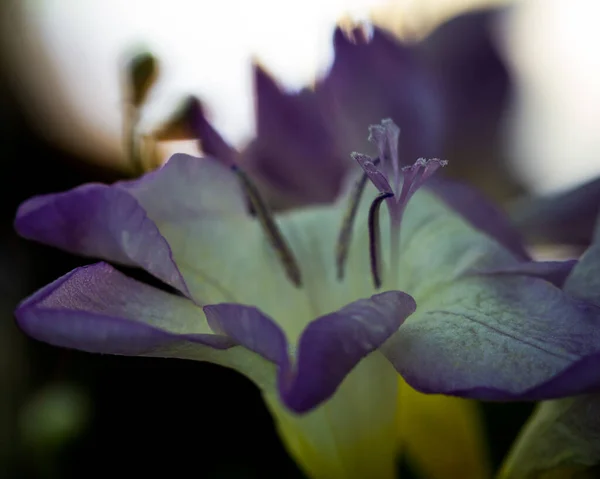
<point x="523" y="77"/>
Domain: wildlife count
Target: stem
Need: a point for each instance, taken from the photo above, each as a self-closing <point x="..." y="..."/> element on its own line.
<point x="131" y="116"/>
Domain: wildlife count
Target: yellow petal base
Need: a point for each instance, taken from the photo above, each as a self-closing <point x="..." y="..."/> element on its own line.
<point x="442" y="435"/>
<point x="352" y="435"/>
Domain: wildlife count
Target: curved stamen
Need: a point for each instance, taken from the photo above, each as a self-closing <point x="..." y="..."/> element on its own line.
<point x="265" y="217"/>
<point x="374" y="237"/>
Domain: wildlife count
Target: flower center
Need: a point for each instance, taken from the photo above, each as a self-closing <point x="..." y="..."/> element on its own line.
<point x="396" y="186"/>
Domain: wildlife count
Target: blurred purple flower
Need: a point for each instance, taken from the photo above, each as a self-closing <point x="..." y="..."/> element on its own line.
<point x="447" y="94"/>
<point x="565" y="218"/>
<point x="301" y="151"/>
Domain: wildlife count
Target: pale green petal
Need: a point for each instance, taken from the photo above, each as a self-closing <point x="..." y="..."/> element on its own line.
<point x="464" y="337"/>
<point x="561" y="440"/>
<point x="352" y="435"/>
<point x="442" y="436"/>
<point x="225" y="256"/>
<point x="438" y="246"/>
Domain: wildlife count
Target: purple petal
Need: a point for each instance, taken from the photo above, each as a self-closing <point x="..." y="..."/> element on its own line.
<point x="332" y="344"/>
<point x="211" y="142"/>
<point x="500" y="338"/>
<point x="98" y="309"/>
<point x="248" y="326"/>
<point x="474" y="79"/>
<point x="481" y="213"/>
<point x="328" y="348"/>
<point x="294" y="156"/>
<point x="103" y="222"/>
<point x="139" y="223"/>
<point x="475" y="87"/>
<point x="555" y="272"/>
<point x="564" y="218"/>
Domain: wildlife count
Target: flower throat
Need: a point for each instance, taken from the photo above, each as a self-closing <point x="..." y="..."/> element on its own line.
<point x="396" y="186"/>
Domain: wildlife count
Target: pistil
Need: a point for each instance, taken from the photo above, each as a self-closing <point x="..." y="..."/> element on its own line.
<point x="385" y="137"/>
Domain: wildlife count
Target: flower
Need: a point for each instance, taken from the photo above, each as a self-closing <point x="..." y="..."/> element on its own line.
<point x="447" y="299"/>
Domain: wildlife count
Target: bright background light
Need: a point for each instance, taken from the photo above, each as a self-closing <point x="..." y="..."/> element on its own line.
<point x="555" y="134"/>
<point x="66" y="55"/>
<point x="205" y="47"/>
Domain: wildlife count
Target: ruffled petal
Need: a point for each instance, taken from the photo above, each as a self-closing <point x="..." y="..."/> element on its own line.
<point x="442" y="436"/>
<point x="562" y="437"/>
<point x="294" y="157"/>
<point x="98" y="309"/>
<point x="162" y="222"/>
<point x="504" y="336"/>
<point x="328" y="349"/>
<point x="500" y="338"/>
<point x="102" y="222"/>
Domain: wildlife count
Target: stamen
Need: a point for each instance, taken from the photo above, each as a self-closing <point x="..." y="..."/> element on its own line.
<point x="369" y="166"/>
<point x="374" y="238"/>
<point x="265" y="217"/>
<point x="417" y="174"/>
<point x="343" y="243"/>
